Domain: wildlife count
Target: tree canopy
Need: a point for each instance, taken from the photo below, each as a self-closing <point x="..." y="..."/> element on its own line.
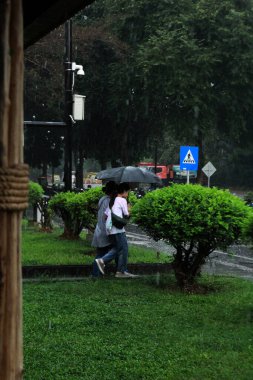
<point x="162" y="73"/>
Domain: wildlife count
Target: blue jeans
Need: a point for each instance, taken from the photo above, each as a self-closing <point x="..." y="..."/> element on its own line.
<point x="119" y="241"/>
<point x="107" y="253"/>
<point x="110" y="255"/>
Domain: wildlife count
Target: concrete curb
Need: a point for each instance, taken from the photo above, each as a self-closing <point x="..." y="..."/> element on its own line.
<point x="31" y="271"/>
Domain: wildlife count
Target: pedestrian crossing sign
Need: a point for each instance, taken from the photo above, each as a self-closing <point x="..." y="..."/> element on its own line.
<point x="189" y="157"/>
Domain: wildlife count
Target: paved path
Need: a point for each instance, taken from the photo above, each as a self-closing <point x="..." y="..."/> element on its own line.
<point x="238" y="261"/>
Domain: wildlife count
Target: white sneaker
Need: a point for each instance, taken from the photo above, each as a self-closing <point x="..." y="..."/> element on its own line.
<point x="121" y="275"/>
<point x="125" y="275"/>
<point x="130" y="274"/>
<point x="101" y="265"/>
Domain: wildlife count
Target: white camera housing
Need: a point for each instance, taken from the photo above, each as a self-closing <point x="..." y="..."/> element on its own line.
<point x="78" y="67"/>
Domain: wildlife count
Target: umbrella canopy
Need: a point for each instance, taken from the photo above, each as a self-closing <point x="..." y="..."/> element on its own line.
<point x="129" y="174"/>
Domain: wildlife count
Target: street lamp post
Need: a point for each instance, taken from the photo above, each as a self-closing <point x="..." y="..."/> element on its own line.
<point x="68" y="106"/>
<point x="70" y="68"/>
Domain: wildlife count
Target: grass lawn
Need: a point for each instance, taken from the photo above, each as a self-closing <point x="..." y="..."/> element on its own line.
<point x="114" y="329"/>
<point x="48" y="248"/>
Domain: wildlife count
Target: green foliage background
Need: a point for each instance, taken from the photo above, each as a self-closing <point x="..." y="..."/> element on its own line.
<point x="158" y="75"/>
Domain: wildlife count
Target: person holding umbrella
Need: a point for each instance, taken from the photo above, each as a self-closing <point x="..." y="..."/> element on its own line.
<point x="117" y="207"/>
<point x="100" y="238"/>
<point x="129" y="174"/>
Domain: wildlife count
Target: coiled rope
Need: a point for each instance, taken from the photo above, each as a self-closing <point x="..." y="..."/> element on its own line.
<point x="14" y="187"/>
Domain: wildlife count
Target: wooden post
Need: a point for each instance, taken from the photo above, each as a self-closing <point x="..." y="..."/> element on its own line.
<point x="13" y="187"/>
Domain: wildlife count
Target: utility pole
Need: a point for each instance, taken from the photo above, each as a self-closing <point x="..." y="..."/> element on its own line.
<point x="68" y="105"/>
<point x="155" y="155"/>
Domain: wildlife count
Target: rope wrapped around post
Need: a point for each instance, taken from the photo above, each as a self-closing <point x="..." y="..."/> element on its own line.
<point x="14" y="187"/>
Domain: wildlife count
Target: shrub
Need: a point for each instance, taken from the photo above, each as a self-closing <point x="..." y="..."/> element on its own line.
<point x="77" y="211"/>
<point x="132" y="198"/>
<point x="35" y="193"/>
<point x="195" y="220"/>
<point x="248" y="228"/>
<point x="38" y="200"/>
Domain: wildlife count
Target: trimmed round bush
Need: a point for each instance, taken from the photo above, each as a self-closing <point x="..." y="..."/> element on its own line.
<point x="35" y="193"/>
<point x="195" y="220"/>
<point x="38" y="200"/>
<point x="77" y="210"/>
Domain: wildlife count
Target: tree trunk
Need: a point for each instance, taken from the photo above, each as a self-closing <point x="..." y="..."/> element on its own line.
<point x="183" y="269"/>
<point x="72" y="227"/>
<point x="188" y="266"/>
<point x="103" y="164"/>
<point x="46" y="220"/>
<point x="13" y="187"/>
<point x="70" y="234"/>
<point x="34" y="213"/>
<point x="44" y="173"/>
<point x="79" y="170"/>
<point x="200" y="174"/>
<point x="52" y="175"/>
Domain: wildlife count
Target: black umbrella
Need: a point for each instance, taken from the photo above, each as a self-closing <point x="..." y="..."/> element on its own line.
<point x="129" y="174"/>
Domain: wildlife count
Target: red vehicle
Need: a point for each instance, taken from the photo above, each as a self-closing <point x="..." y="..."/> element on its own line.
<point x="162" y="171"/>
<point x="168" y="173"/>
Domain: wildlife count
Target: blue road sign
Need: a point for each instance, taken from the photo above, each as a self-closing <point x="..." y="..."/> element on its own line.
<point x="189" y="156"/>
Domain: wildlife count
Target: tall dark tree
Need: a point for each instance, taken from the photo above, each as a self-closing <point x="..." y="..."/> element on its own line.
<point x="43" y="148"/>
<point x="43" y="100"/>
<point x="203" y="77"/>
<point x="159" y="73"/>
<point x="187" y="74"/>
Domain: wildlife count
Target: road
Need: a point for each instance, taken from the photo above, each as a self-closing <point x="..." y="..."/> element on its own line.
<point x="237" y="261"/>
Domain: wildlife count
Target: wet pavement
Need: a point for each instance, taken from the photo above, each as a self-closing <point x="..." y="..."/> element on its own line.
<point x="237" y="261"/>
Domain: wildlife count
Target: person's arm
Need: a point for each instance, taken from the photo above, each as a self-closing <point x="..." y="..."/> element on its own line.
<point x="124" y="207"/>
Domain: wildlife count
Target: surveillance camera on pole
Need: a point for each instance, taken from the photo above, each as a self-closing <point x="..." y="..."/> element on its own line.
<point x="78" y="100"/>
<point x="78" y="67"/>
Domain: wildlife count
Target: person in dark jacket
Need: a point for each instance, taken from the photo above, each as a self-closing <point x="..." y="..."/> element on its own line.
<point x="100" y="238"/>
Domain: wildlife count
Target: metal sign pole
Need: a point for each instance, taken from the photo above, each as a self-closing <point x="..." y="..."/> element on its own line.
<point x="189" y="159"/>
<point x="209" y="169"/>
